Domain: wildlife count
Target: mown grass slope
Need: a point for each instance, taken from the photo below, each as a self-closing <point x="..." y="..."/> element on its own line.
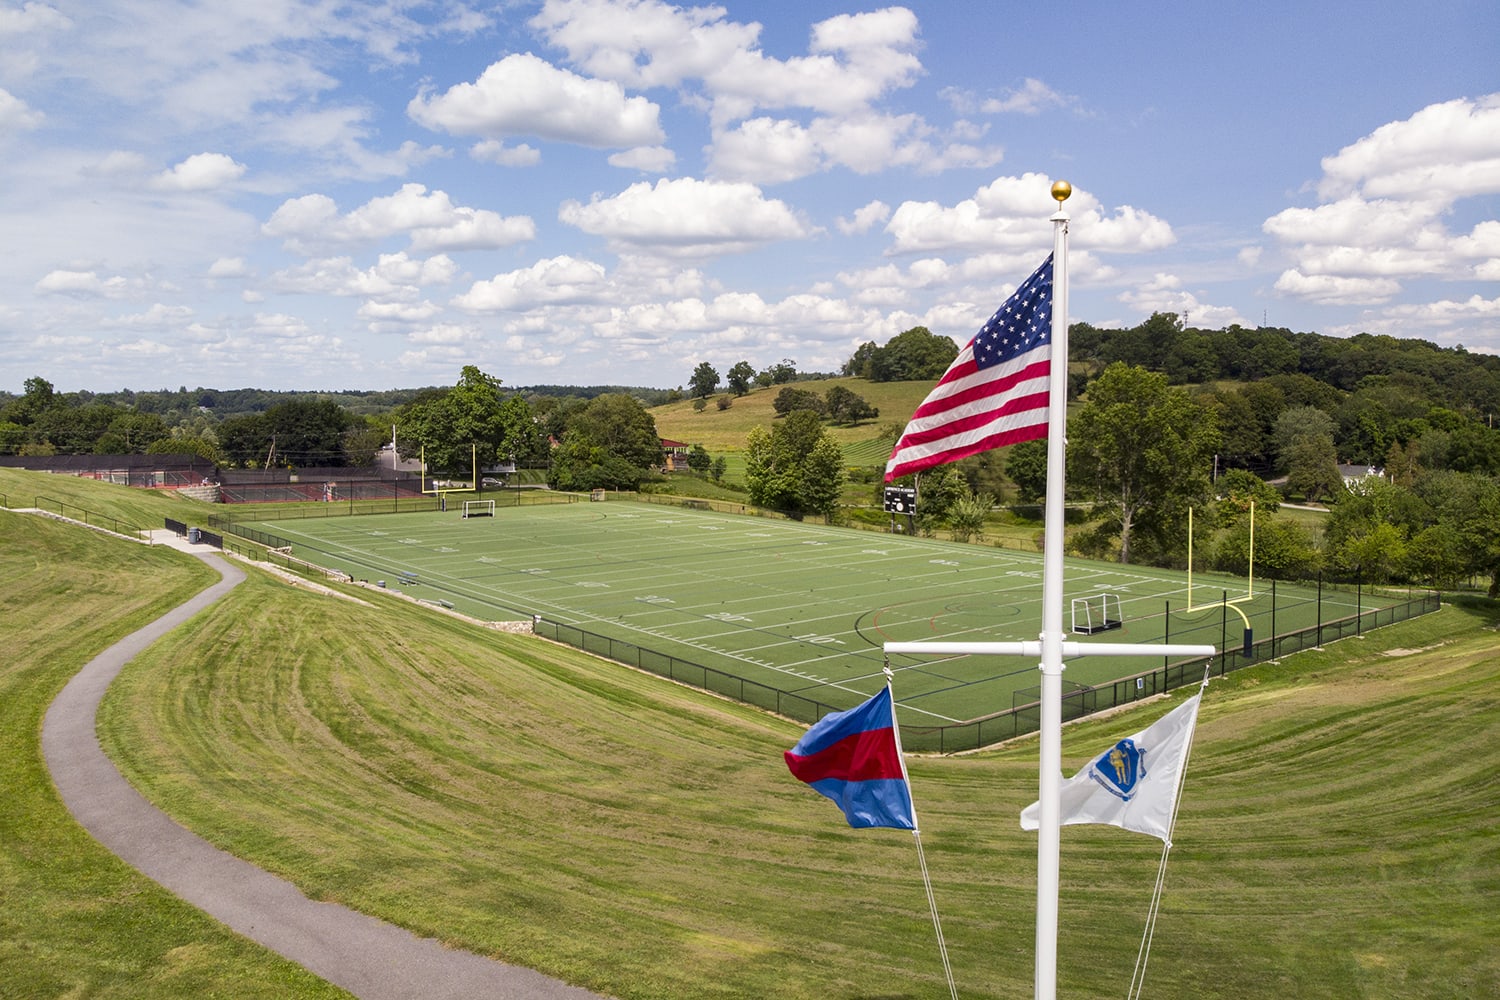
<point x="523" y="800"/>
<point x="646" y="841"/>
<point x="75" y="921"/>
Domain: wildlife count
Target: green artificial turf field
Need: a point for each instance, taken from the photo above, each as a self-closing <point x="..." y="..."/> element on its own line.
<point x="799" y="607"/>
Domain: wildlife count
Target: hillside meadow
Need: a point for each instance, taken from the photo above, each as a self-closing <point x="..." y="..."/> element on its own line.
<point x="726" y="430"/>
<point x="644" y="839"/>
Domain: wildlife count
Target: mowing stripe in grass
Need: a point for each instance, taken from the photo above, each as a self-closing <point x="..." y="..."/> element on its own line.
<point x="375" y="960"/>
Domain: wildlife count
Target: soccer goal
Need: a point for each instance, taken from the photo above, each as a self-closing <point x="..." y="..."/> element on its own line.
<point x="479" y="508"/>
<point x="1097" y="613"/>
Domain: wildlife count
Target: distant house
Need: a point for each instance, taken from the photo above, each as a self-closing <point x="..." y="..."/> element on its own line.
<point x="1353" y="475"/>
<point x="388" y="459"/>
<point x="677" y="454"/>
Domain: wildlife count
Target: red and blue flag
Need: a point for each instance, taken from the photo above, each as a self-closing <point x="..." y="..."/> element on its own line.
<point x="854" y="758"/>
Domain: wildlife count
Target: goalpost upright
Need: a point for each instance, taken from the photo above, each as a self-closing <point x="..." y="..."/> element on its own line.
<point x="442" y="494"/>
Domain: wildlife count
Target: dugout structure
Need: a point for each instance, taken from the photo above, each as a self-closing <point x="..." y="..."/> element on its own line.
<point x="1097" y="613"/>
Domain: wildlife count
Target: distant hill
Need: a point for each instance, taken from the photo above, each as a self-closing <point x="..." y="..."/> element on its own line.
<point x="726" y="430"/>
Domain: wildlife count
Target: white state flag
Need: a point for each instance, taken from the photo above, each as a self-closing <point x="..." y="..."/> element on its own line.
<point x="1134" y="783"/>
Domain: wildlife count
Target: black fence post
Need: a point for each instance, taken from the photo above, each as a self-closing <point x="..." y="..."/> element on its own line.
<point x="1167" y="633"/>
<point x="1224" y="623"/>
<point x="1273" y="618"/>
<point x="1359" y="600"/>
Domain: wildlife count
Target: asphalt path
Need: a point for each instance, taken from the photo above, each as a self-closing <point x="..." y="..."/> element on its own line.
<point x="367" y="957"/>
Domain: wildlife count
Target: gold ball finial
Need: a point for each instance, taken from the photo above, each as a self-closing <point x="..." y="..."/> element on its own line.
<point x="1061" y="190"/>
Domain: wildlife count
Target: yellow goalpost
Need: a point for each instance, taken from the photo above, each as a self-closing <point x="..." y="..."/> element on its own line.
<point x="1249" y="593"/>
<point x="442" y="492"/>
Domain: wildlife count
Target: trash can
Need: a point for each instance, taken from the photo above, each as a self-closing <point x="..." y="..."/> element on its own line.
<point x="193" y="536"/>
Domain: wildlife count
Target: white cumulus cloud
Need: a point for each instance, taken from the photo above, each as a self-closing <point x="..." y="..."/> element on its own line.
<point x="1332" y="289"/>
<point x="1003" y="216"/>
<point x="429" y="219"/>
<point x="687" y="217"/>
<point x="83" y="283"/>
<point x="201" y="172"/>
<point x="646" y="159"/>
<point x="865" y="218"/>
<point x="1387" y="201"/>
<point x="526" y="95"/>
<point x="15" y="115"/>
<point x="558" y="281"/>
<point x="497" y="152"/>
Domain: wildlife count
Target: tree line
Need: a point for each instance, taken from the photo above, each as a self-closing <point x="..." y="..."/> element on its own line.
<point x="1143" y="454"/>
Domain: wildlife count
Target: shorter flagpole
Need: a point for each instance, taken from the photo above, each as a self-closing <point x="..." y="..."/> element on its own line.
<point x="916" y="833"/>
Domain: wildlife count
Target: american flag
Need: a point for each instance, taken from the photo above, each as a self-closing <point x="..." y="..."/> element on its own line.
<point x="994" y="393"/>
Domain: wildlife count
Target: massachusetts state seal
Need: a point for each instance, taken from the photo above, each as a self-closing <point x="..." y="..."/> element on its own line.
<point x="1120" y="768"/>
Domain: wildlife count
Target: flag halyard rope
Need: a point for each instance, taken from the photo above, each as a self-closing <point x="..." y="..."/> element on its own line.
<point x="1138" y="976"/>
<point x="916" y="833"/>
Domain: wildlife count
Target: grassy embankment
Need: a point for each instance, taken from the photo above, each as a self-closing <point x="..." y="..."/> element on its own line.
<point x="74" y="921"/>
<point x="516" y="798"/>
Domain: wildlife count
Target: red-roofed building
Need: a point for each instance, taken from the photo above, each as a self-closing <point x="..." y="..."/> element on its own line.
<point x="677" y="454"/>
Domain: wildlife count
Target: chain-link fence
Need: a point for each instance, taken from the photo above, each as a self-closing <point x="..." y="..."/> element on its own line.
<point x="1024" y="716"/>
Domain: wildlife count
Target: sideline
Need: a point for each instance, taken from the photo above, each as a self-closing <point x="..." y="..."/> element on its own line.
<point x="368" y="957"/>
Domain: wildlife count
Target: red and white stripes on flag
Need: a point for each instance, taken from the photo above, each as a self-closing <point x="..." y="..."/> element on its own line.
<point x="994" y="393"/>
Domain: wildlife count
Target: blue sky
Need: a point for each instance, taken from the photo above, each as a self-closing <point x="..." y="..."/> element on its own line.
<point x="327" y="195"/>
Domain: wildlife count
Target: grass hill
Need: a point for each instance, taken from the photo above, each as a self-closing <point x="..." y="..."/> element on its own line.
<point x="645" y="840"/>
<point x="726" y="430"/>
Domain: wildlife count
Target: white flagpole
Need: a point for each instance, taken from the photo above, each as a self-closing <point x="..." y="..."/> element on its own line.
<point x="1048" y="847"/>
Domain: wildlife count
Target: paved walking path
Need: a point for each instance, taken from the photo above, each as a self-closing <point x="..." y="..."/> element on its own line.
<point x="365" y="956"/>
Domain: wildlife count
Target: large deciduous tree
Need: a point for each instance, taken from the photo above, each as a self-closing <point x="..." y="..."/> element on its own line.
<point x="1280" y="548"/>
<point x="611" y="444"/>
<point x="1468" y="506"/>
<point x="1313" y="468"/>
<point x="916" y="354"/>
<point x="473" y="422"/>
<point x="740" y="377"/>
<point x="792" y="399"/>
<point x="704" y="381"/>
<point x="1142" y="452"/>
<point x="309" y="432"/>
<point x="845" y="406"/>
<point x="795" y="467"/>
<point x="298" y="432"/>
<point x="1026" y="466"/>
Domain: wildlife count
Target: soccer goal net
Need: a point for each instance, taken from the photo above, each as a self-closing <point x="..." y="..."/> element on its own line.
<point x="479" y="508"/>
<point x="1096" y="613"/>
